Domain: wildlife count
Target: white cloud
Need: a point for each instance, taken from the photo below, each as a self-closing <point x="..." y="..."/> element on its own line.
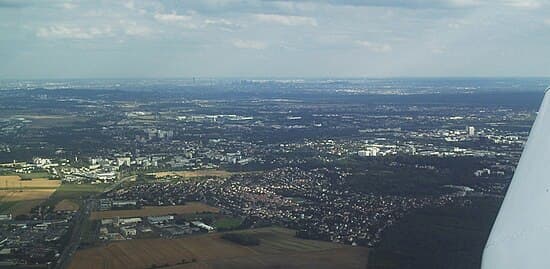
<point x="122" y="28"/>
<point x="69" y="5"/>
<point x="527" y="4"/>
<point x="184" y="21"/>
<point x="222" y="22"/>
<point x="454" y="25"/>
<point x="73" y="32"/>
<point x="458" y="24"/>
<point x="376" y="47"/>
<point x="131" y="28"/>
<point x="437" y="49"/>
<point x="425" y="4"/>
<point x="465" y="3"/>
<point x="130" y="5"/>
<point x="249" y="44"/>
<point x="286" y="20"/>
<point x="547" y="22"/>
<point x="172" y="17"/>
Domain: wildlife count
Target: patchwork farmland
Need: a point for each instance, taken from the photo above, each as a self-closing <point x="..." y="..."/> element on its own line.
<point x="278" y="249"/>
<point x="18" y="196"/>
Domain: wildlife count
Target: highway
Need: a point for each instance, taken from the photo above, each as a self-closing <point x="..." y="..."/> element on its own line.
<point x="81" y="216"/>
<point x="76" y="235"/>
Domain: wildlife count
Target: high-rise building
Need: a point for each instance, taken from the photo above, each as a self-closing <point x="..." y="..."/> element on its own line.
<point x="471" y="130"/>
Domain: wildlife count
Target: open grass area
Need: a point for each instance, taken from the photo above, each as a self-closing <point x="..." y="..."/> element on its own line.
<point x="81" y="189"/>
<point x="278" y="249"/>
<point x="24" y="207"/>
<point x="77" y="191"/>
<point x="189" y="208"/>
<point x="8" y="172"/>
<point x="47" y="121"/>
<point x="74" y="192"/>
<point x="196" y="173"/>
<point x="5" y="206"/>
<point x="36" y="175"/>
<point x="228" y="223"/>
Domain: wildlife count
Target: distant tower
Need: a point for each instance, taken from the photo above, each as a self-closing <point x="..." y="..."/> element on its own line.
<point x="471" y="130"/>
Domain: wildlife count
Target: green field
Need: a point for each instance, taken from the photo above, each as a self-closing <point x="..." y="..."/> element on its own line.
<point x="228" y="223"/>
<point x="35" y="175"/>
<point x="75" y="192"/>
<point x="5" y="206"/>
<point x="280" y="239"/>
<point x="8" y="172"/>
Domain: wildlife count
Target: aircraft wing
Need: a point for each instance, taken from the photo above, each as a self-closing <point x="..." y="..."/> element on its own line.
<point x="520" y="237"/>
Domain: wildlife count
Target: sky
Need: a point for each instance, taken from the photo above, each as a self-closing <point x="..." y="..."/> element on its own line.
<point x="51" y="39"/>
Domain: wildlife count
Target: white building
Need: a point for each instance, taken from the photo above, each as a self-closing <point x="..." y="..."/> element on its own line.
<point x="128" y="231"/>
<point x="372" y="151"/>
<point x="482" y="172"/>
<point x="124" y="161"/>
<point x="471" y="130"/>
<point x="202" y="226"/>
<point x="159" y="219"/>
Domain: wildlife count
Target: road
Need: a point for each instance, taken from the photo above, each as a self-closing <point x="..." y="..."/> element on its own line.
<point x="118" y="183"/>
<point x="76" y="235"/>
<point x="81" y="216"/>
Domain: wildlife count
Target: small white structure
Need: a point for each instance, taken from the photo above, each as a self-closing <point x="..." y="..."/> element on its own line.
<point x="128" y="231"/>
<point x="160" y="219"/>
<point x="202" y="226"/>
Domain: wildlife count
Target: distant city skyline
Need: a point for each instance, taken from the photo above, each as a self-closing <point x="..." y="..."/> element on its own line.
<point x="58" y="39"/>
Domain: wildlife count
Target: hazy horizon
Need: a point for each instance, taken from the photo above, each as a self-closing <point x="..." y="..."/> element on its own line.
<point x="275" y="78"/>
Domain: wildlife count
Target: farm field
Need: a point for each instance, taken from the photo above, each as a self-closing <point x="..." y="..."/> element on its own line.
<point x="278" y="249"/>
<point x="16" y="195"/>
<point x="20" y="196"/>
<point x="15" y="182"/>
<point x="189" y="208"/>
<point x="19" y="207"/>
<point x="47" y="121"/>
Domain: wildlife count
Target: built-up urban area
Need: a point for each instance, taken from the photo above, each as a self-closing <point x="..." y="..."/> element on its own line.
<point x="333" y="161"/>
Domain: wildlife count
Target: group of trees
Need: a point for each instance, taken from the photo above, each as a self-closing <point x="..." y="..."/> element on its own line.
<point x="242" y="239"/>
